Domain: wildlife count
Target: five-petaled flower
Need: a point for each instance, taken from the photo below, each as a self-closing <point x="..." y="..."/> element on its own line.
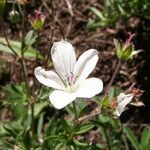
<point x="70" y="80"/>
<point x="122" y="100"/>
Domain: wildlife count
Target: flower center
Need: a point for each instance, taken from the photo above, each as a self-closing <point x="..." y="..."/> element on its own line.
<point x="71" y="79"/>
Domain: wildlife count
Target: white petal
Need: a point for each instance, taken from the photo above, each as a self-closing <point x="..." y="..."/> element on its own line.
<point x="85" y="64"/>
<point x="123" y="100"/>
<point x="89" y="88"/>
<point x="48" y="78"/>
<point x="64" y="58"/>
<point x="60" y="99"/>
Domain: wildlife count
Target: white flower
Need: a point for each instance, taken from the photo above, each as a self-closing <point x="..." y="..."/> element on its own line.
<point x="70" y="79"/>
<point x="122" y="100"/>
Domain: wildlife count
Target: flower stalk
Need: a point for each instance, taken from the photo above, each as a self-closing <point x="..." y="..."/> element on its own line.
<point x="25" y="74"/>
<point x="113" y="77"/>
<point x="23" y="64"/>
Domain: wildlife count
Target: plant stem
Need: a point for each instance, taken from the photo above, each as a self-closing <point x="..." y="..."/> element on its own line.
<point x="23" y="64"/>
<point x="32" y="121"/>
<point x="51" y="40"/>
<point x="25" y="74"/>
<point x="86" y="117"/>
<point x="8" y="43"/>
<point x="75" y="111"/>
<point x="113" y="77"/>
<point x="34" y="99"/>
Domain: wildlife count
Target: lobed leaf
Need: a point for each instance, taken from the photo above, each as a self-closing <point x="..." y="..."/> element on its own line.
<point x="29" y="53"/>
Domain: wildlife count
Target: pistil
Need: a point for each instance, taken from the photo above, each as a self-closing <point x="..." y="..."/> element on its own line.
<point x="71" y="79"/>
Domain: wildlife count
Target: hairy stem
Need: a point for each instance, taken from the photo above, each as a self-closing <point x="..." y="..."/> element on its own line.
<point x="93" y="114"/>
<point x="51" y="40"/>
<point x="25" y="74"/>
<point x="8" y="43"/>
<point x="23" y="64"/>
<point x="113" y="77"/>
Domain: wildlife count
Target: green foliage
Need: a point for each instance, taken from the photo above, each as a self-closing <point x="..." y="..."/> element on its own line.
<point x="132" y="138"/>
<point x="144" y="142"/>
<point x="110" y="131"/>
<point x="16" y="97"/>
<point x="114" y="10"/>
<point x="18" y="132"/>
<point x="30" y="52"/>
<point x="145" y="138"/>
<point x="84" y="128"/>
<point x="30" y="38"/>
<point x="101" y="19"/>
<point x="61" y="133"/>
<point x="114" y="92"/>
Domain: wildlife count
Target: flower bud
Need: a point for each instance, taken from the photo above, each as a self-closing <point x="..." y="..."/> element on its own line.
<point x="37" y="20"/>
<point x="126" y="51"/>
<point x="113" y="103"/>
<point x="14" y="16"/>
<point x="106" y="102"/>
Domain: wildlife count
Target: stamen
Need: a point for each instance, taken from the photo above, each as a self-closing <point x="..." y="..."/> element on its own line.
<point x="71" y="79"/>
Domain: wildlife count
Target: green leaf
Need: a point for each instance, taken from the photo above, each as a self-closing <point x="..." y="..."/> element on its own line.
<point x="6" y="145"/>
<point x="52" y="126"/>
<point x="113" y="92"/>
<point x="93" y="25"/>
<point x="61" y="146"/>
<point x="40" y="124"/>
<point x="145" y="138"/>
<point x="84" y="111"/>
<point x="16" y="96"/>
<point x="65" y="125"/>
<point x="24" y="139"/>
<point x="132" y="138"/>
<point x="38" y="107"/>
<point x="29" y="53"/>
<point x="44" y="93"/>
<point x="80" y="144"/>
<point x="16" y="93"/>
<point x="84" y="128"/>
<point x="97" y="13"/>
<point x="10" y="131"/>
<point x="60" y="138"/>
<point x="30" y="38"/>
